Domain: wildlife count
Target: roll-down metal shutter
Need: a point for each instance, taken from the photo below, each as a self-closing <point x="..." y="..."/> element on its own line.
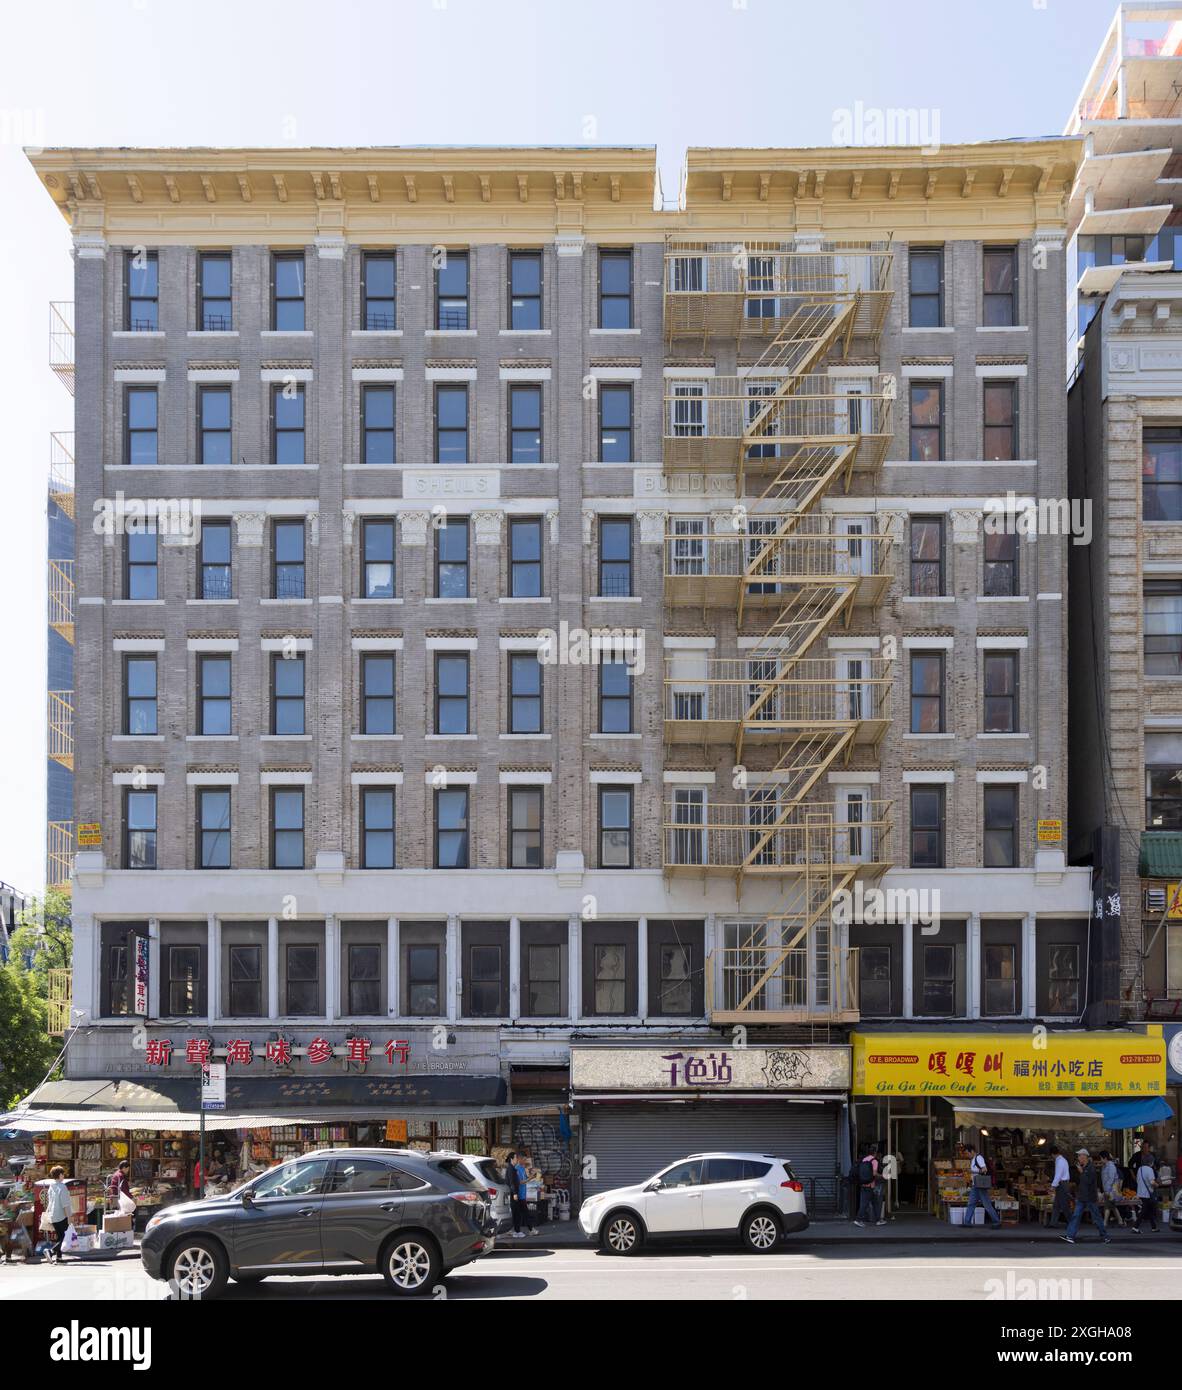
<point x="630" y="1143"/>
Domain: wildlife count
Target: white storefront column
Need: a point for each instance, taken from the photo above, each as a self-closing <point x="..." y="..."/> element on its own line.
<point x="272" y="967"/>
<point x="908" y="969"/>
<point x="453" y="968"/>
<point x="642" y="1001"/>
<point x="574" y="968"/>
<point x="332" y="968"/>
<point x="213" y="969"/>
<point x="972" y="952"/>
<point x="1029" y="959"/>
<point x="514" y="967"/>
<point x="393" y="1008"/>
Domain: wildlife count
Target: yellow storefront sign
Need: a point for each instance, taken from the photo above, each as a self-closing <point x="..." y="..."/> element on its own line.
<point x="1033" y="1063"/>
<point x="1050" y="832"/>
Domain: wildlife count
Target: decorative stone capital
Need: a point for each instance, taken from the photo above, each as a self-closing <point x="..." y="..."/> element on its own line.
<point x="413" y="527"/>
<point x="90" y="246"/>
<point x="552" y="518"/>
<point x="652" y="527"/>
<point x="330" y="248"/>
<point x="250" y="527"/>
<point x="588" y="523"/>
<point x="347" y="520"/>
<point x="893" y="524"/>
<point x="569" y="244"/>
<point x="1050" y="238"/>
<point x="314" y="527"/>
<point x="966" y="525"/>
<point x="487" y="527"/>
<point x="724" y="523"/>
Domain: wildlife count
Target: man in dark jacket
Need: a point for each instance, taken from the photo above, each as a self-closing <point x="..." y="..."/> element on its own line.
<point x="1087" y="1198"/>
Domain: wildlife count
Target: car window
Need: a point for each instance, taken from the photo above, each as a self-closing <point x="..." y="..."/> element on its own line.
<point x="683" y="1175"/>
<point x="362" y="1175"/>
<point x="301" y="1179"/>
<point x="726" y="1169"/>
<point x="452" y="1168"/>
<point x="403" y="1181"/>
<point x="489" y="1170"/>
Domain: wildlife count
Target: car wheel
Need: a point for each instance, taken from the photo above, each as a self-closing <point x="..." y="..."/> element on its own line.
<point x="761" y="1232"/>
<point x="621" y="1234"/>
<point x="411" y="1265"/>
<point x="197" y="1269"/>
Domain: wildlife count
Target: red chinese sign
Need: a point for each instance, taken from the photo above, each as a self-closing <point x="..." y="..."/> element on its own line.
<point x="239" y="1052"/>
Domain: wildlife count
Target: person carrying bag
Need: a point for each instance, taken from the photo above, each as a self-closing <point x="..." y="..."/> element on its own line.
<point x="979" y="1189"/>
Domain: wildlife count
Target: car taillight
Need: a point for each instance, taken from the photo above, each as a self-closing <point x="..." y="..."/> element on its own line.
<point x="470" y="1197"/>
<point x="793" y="1185"/>
<point x="492" y="1192"/>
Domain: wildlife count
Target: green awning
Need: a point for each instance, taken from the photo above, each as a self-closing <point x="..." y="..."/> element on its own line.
<point x="1161" y="854"/>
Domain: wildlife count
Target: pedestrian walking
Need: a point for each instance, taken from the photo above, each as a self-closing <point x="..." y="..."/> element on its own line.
<point x="1087" y="1198"/>
<point x="57" y="1205"/>
<point x="868" y="1201"/>
<point x="1146" y="1175"/>
<point x="1111" y="1193"/>
<point x="1061" y="1187"/>
<point x="980" y="1184"/>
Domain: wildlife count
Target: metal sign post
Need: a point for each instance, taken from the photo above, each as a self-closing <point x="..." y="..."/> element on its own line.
<point x="213" y="1097"/>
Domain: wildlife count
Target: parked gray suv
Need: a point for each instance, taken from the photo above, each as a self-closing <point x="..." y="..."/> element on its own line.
<point x="336" y="1211"/>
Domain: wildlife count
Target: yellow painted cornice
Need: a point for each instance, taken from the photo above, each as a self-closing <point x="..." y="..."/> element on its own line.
<point x="377" y="195"/>
<point x="1003" y="187"/>
<point x="371" y="196"/>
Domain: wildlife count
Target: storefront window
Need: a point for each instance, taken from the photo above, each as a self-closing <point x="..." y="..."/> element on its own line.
<point x="365" y="963"/>
<point x="184" y="973"/>
<point x="246" y="986"/>
<point x="675" y="980"/>
<point x="939" y="979"/>
<point x="1064" y="980"/>
<point x="545" y="980"/>
<point x="875" y="979"/>
<point x="1000" y="980"/>
<point x="609" y="979"/>
<point x="422" y="965"/>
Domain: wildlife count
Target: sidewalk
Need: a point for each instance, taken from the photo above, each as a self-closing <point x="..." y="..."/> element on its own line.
<point x="920" y="1230"/>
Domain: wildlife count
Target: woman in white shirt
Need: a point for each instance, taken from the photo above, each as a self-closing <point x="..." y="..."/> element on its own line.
<point x="57" y="1204"/>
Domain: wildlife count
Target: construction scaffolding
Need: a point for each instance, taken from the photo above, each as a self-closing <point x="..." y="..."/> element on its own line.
<point x="790" y="431"/>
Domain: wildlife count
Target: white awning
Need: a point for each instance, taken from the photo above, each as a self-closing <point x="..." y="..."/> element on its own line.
<point x="41" y="1121"/>
<point x="1031" y="1112"/>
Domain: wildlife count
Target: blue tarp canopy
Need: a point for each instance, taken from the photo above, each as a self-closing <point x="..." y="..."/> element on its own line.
<point x="1132" y="1114"/>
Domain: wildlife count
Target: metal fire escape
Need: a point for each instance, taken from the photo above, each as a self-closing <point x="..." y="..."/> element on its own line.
<point x="792" y="427"/>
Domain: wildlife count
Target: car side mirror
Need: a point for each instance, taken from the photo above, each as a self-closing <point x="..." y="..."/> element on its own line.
<point x="655" y="1185"/>
<point x="247" y="1199"/>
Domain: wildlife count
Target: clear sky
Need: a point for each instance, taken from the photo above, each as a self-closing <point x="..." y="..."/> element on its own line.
<point x="669" y="73"/>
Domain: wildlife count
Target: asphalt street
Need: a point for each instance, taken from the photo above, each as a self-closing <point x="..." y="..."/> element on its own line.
<point x="992" y="1271"/>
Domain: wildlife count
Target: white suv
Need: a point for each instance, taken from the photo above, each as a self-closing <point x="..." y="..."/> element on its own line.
<point x="755" y="1196"/>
